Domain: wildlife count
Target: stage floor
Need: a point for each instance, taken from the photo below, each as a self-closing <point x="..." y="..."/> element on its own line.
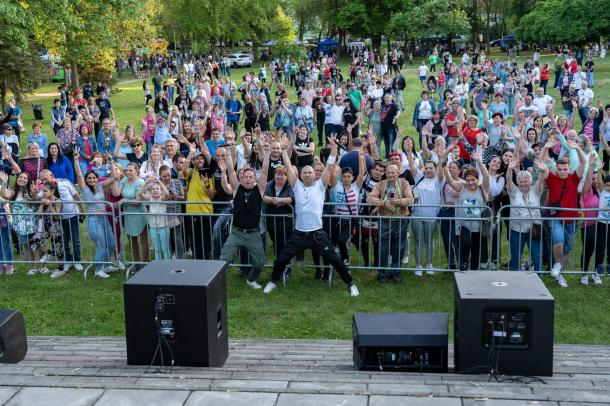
<point x="93" y="371"/>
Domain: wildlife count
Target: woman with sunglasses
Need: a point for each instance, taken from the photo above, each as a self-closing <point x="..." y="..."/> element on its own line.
<point x="137" y="155"/>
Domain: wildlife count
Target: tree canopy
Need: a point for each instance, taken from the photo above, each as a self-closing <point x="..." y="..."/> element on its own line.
<point x="566" y="21"/>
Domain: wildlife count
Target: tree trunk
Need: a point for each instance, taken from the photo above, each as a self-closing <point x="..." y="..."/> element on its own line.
<point x="487" y="29"/>
<point x="474" y="23"/>
<point x="118" y="67"/>
<point x="74" y="74"/>
<point x="389" y="43"/>
<point x="376" y="42"/>
<point x="301" y="30"/>
<point x="3" y="94"/>
<point x="213" y="47"/>
<point x="254" y="51"/>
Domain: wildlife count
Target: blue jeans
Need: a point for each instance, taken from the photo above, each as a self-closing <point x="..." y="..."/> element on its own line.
<point x="399" y="100"/>
<point x="100" y="232"/>
<point x="517" y="241"/>
<point x="221" y="230"/>
<point x="562" y="233"/>
<point x="71" y="235"/>
<point x="388" y="135"/>
<point x="392" y="239"/>
<point x="510" y="103"/>
<point x="160" y="239"/>
<point x="6" y="253"/>
<point x="170" y="91"/>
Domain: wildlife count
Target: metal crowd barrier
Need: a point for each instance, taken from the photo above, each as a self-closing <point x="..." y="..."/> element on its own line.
<point x="590" y="240"/>
<point x="365" y="240"/>
<point x="36" y="239"/>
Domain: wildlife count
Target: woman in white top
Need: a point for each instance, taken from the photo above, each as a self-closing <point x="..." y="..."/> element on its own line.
<point x="529" y="230"/>
<point x="408" y="145"/>
<point x="461" y="89"/>
<point x="427" y="194"/>
<point x="155" y="161"/>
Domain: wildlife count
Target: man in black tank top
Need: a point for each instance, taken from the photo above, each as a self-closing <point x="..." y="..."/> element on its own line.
<point x="247" y="204"/>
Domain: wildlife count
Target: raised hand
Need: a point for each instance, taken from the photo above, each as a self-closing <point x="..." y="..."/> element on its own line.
<point x="3" y="177"/>
<point x="514" y="162"/>
<point x="593" y="158"/>
<point x="572" y="144"/>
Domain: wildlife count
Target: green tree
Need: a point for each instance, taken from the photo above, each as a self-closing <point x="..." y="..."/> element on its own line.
<point x="566" y="21"/>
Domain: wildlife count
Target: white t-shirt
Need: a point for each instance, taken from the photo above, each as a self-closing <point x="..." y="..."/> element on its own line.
<point x="349" y="209"/>
<point x="604" y="203"/>
<point x="309" y="202"/>
<point x="423" y="71"/>
<point x="334" y="114"/>
<point x="241" y="159"/>
<point x="426" y="192"/>
<point x="541" y="103"/>
<point x="66" y="192"/>
<point x="586" y="96"/>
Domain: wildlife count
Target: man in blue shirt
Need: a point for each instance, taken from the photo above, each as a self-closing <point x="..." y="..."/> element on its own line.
<point x="233" y="109"/>
<point x="13" y="113"/>
<point x="105" y="106"/>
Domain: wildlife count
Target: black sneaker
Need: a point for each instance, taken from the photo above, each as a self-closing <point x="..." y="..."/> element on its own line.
<point x="382" y="278"/>
<point x="395" y="277"/>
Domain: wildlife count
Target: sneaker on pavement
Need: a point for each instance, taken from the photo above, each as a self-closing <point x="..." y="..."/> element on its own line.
<point x="596" y="279"/>
<point x="32" y="271"/>
<point x="9" y="270"/>
<point x="59" y="273"/>
<point x="353" y="290"/>
<point x="270" y="286"/>
<point x="430" y="269"/>
<point x="43" y="259"/>
<point x="562" y="281"/>
<point x="556" y="269"/>
<point x="78" y="267"/>
<point x="419" y="270"/>
<point x="102" y="274"/>
<point x="584" y="280"/>
<point x="253" y="284"/>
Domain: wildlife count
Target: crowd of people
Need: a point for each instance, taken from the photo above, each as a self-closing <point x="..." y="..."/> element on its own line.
<point x="328" y="169"/>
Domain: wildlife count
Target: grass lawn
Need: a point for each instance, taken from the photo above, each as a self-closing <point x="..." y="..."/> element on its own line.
<point x="306" y="308"/>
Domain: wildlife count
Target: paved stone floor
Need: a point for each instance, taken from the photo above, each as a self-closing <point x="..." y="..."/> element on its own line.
<point x="93" y="371"/>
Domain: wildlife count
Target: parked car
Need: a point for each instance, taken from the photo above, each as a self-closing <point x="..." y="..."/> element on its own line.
<point x="240" y="60"/>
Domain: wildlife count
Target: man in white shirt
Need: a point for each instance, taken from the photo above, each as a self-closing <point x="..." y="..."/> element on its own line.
<point x="333" y="121"/>
<point x="542" y="101"/>
<point x="585" y="98"/>
<point x="309" y="196"/>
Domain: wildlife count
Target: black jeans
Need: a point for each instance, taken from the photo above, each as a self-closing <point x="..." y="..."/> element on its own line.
<point x="470" y="249"/>
<point x="317" y="241"/>
<point x="199" y="232"/>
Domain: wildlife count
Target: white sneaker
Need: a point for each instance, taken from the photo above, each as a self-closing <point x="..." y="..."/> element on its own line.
<point x="419" y="271"/>
<point x="556" y="270"/>
<point x="102" y="274"/>
<point x="120" y="265"/>
<point x="67" y="267"/>
<point x="253" y="284"/>
<point x="32" y="271"/>
<point x="596" y="279"/>
<point x="270" y="286"/>
<point x="44" y="259"/>
<point x="44" y="270"/>
<point x="78" y="267"/>
<point x="584" y="280"/>
<point x="59" y="273"/>
<point x="430" y="269"/>
<point x="110" y="269"/>
<point x="354" y="291"/>
<point x="562" y="281"/>
<point x="405" y="260"/>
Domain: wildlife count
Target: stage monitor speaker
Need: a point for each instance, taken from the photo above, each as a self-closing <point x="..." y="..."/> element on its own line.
<point x="13" y="340"/>
<point x="505" y="317"/>
<point x="176" y="313"/>
<point x="414" y="342"/>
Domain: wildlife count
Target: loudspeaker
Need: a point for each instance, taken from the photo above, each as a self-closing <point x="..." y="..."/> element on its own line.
<point x="13" y="341"/>
<point x="414" y="342"/>
<point x="503" y="320"/>
<point x="176" y="313"/>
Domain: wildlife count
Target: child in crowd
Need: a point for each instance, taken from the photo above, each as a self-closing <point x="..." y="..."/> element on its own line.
<point x="155" y="192"/>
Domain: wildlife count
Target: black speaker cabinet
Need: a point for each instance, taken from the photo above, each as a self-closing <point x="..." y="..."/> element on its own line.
<point x="507" y="314"/>
<point x="13" y="341"/>
<point x="400" y="341"/>
<point x="177" y="309"/>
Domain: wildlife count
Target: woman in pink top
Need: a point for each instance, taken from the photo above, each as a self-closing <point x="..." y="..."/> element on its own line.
<point x="589" y="199"/>
<point x="148" y="127"/>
